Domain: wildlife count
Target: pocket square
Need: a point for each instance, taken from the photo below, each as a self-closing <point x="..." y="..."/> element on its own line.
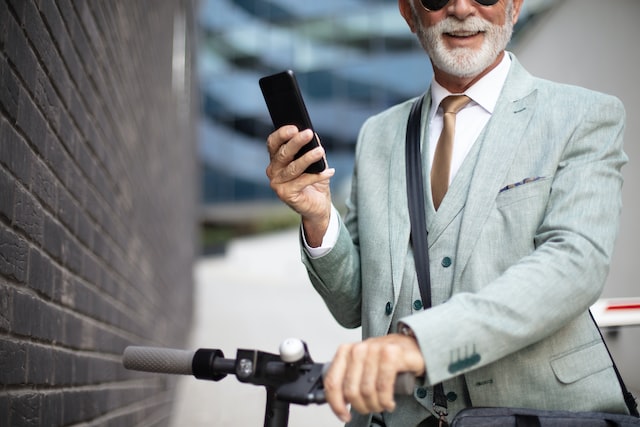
<point x="517" y="184"/>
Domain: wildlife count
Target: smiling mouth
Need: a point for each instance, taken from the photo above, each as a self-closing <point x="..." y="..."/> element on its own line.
<point x="463" y="34"/>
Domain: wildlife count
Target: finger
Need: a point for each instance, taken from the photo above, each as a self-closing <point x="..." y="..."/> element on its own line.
<point x="318" y="181"/>
<point x="280" y="137"/>
<point x="295" y="168"/>
<point x="369" y="380"/>
<point x="292" y="179"/>
<point x="353" y="379"/>
<point x="283" y="167"/>
<point x="312" y="156"/>
<point x="386" y="378"/>
<point x="286" y="151"/>
<point x="333" y="384"/>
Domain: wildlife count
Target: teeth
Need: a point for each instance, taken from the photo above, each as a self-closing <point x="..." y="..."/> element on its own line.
<point x="463" y="34"/>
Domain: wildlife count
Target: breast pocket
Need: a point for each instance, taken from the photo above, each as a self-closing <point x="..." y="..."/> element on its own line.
<point x="529" y="192"/>
<point x="513" y="223"/>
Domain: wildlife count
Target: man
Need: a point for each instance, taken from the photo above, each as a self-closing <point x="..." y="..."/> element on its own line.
<point x="519" y="246"/>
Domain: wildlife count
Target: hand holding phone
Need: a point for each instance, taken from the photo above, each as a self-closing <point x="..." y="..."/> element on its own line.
<point x="286" y="107"/>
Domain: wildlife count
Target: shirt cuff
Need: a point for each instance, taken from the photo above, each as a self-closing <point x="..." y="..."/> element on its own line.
<point x="406" y="330"/>
<point x="328" y="240"/>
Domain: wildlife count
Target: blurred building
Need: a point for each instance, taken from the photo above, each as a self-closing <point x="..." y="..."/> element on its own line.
<point x="352" y="58"/>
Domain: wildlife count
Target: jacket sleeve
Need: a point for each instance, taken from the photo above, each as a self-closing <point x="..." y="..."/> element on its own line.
<point x="336" y="276"/>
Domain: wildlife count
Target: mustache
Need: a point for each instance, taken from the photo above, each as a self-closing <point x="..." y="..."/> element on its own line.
<point x="472" y="24"/>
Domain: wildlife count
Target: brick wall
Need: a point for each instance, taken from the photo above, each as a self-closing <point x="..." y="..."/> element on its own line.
<point x="97" y="205"/>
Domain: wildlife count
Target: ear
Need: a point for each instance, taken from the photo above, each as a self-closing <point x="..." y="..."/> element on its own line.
<point x="517" y="6"/>
<point x="407" y="14"/>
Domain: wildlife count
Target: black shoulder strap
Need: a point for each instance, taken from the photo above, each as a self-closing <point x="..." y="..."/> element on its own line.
<point x="629" y="399"/>
<point x="415" y="196"/>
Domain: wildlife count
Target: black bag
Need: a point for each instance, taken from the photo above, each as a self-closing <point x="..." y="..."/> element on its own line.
<point x="513" y="417"/>
<point x="489" y="417"/>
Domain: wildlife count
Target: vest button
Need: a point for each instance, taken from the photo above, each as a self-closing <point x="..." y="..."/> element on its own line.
<point x="452" y="396"/>
<point x="388" y="309"/>
<point x="421" y="392"/>
<point x="446" y="262"/>
<point x="417" y="304"/>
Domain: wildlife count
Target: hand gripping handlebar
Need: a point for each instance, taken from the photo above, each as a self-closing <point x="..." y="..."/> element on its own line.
<point x="290" y="377"/>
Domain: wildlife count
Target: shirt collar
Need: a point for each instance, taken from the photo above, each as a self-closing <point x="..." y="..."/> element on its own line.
<point x="484" y="92"/>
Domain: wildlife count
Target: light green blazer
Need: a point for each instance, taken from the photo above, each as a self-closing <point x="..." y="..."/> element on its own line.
<point x="514" y="268"/>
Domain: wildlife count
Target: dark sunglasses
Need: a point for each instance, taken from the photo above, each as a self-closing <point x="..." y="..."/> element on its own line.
<point x="433" y="5"/>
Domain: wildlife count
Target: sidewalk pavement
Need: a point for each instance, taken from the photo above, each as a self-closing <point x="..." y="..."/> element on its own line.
<point x="255" y="296"/>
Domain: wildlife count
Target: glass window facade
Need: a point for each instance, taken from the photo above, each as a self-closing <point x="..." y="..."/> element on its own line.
<point x="352" y="58"/>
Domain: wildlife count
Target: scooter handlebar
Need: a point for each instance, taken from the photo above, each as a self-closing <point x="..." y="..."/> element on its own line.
<point x="210" y="364"/>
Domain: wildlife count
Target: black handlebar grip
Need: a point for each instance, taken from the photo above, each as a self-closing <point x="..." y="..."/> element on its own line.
<point x="160" y="360"/>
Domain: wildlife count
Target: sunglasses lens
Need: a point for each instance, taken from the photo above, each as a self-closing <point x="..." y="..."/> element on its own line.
<point x="434" y="4"/>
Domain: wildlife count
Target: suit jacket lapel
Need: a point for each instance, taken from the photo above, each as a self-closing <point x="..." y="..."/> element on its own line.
<point x="502" y="136"/>
<point x="399" y="226"/>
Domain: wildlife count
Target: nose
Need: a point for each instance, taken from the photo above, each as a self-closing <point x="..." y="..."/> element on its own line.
<point x="461" y="9"/>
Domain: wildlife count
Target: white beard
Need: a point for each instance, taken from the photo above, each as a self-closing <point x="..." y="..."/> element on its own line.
<point x="465" y="62"/>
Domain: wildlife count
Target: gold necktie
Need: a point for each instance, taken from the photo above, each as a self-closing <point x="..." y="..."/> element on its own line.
<point x="441" y="168"/>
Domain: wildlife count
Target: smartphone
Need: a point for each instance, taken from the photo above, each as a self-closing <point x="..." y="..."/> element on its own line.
<point x="286" y="107"/>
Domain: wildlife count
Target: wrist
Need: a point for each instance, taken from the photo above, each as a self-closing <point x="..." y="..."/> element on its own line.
<point x="315" y="229"/>
<point x="406" y="331"/>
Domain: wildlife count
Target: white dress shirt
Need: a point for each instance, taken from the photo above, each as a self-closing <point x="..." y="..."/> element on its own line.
<point x="469" y="124"/>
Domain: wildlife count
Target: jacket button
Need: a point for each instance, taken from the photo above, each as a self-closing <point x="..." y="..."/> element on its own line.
<point x="388" y="309"/>
<point x="446" y="262"/>
<point x="417" y="304"/>
<point x="421" y="392"/>
<point x="452" y="396"/>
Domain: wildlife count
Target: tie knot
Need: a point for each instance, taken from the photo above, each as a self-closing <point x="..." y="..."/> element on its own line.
<point x="454" y="103"/>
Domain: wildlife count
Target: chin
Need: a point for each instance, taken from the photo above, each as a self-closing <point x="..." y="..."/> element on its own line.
<point x="464" y="62"/>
